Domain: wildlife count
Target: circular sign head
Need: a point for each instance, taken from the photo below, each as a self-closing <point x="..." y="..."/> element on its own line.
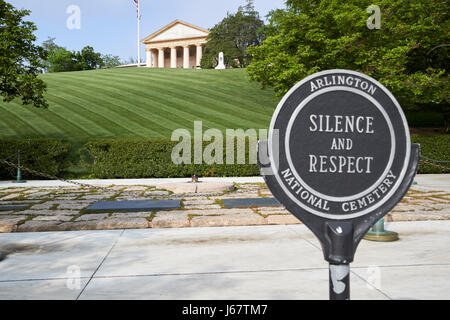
<point x="339" y="144"/>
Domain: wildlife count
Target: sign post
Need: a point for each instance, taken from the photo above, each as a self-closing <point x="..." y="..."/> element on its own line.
<point x="339" y="158"/>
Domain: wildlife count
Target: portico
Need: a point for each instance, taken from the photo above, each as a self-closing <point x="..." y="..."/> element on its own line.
<point x="178" y="45"/>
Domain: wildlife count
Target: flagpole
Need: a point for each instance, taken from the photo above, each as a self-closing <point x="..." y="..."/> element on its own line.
<point x="139" y="34"/>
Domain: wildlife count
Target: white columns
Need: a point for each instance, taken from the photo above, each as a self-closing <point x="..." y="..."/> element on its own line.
<point x="160" y="58"/>
<point x="154" y="61"/>
<point x="173" y="57"/>
<point x="199" y="55"/>
<point x="186" y="57"/>
<point x="149" y="59"/>
<point x="156" y="57"/>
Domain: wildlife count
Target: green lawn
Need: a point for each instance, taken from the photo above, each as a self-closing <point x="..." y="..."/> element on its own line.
<point x="133" y="103"/>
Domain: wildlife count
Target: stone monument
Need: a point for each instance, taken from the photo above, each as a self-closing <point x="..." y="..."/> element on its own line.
<point x="221" y="64"/>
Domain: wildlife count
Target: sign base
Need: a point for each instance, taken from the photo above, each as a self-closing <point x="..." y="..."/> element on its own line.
<point x="385" y="236"/>
<point x="378" y="233"/>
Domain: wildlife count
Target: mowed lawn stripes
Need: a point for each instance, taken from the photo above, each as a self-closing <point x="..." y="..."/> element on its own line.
<point x="150" y="103"/>
<point x="172" y="94"/>
<point x="121" y="94"/>
<point x="207" y="96"/>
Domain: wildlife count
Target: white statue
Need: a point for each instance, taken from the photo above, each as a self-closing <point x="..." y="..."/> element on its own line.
<point x="221" y="64"/>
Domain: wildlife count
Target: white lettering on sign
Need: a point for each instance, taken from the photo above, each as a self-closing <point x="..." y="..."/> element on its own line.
<point x="302" y="193"/>
<point x="370" y="198"/>
<point x="339" y="164"/>
<point x="342" y="144"/>
<point x="349" y="81"/>
<point x="341" y="124"/>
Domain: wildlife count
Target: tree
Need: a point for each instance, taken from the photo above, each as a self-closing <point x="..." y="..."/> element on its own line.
<point x="88" y="59"/>
<point x="232" y="36"/>
<point x="59" y="59"/>
<point x="110" y="61"/>
<point x="20" y="59"/>
<point x="62" y="60"/>
<point x="408" y="54"/>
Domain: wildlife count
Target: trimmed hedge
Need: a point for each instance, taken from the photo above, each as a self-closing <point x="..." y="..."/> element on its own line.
<point x="148" y="158"/>
<point x="436" y="147"/>
<point x="45" y="155"/>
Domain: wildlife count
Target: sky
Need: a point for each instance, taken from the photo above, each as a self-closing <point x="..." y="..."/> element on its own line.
<point x="110" y="26"/>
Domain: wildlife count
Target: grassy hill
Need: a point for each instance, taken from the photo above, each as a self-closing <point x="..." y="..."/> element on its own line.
<point x="133" y="103"/>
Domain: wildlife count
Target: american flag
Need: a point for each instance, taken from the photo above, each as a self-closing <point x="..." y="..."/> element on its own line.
<point x="137" y="7"/>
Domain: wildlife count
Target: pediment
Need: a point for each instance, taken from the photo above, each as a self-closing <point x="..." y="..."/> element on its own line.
<point x="177" y="30"/>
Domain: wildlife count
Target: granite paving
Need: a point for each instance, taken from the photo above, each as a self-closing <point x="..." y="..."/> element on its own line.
<point x="64" y="208"/>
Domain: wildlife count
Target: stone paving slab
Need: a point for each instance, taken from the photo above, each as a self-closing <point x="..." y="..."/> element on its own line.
<point x="90" y="217"/>
<point x="75" y="205"/>
<point x="170" y="220"/>
<point x="106" y="224"/>
<point x="203" y="206"/>
<point x="10" y="224"/>
<point x="61" y="218"/>
<point x="131" y="215"/>
<point x="39" y="226"/>
<point x="11" y="196"/>
<point x="227" y="220"/>
<point x="49" y="212"/>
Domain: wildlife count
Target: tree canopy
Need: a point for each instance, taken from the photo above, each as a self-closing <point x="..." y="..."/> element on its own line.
<point x="408" y="54"/>
<point x="232" y="36"/>
<point x="20" y="59"/>
<point x="62" y="60"/>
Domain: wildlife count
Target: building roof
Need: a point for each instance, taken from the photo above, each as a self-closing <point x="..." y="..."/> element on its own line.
<point x="176" y="30"/>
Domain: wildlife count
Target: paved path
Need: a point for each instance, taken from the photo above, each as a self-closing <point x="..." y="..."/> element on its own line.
<point x="260" y="262"/>
<point x="64" y="208"/>
<point x="125" y="182"/>
<point x="435" y="181"/>
<point x="427" y="180"/>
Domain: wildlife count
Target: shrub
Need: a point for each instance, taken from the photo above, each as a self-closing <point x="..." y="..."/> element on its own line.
<point x="45" y="155"/>
<point x="435" y="147"/>
<point x="150" y="158"/>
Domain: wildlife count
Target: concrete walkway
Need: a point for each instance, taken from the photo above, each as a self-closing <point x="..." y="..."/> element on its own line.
<point x="123" y="182"/>
<point x="260" y="262"/>
<point x="436" y="181"/>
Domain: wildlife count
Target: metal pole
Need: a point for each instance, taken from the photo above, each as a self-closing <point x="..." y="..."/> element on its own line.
<point x="139" y="34"/>
<point x="339" y="281"/>
<point x="19" y="173"/>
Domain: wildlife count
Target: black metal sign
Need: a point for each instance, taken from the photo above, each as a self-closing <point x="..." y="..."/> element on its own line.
<point x="339" y="157"/>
